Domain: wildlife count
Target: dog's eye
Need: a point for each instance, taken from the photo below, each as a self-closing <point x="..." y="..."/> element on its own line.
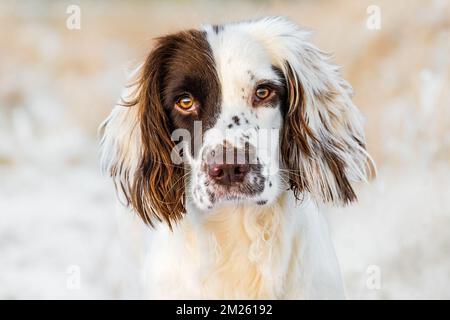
<point x="262" y="92"/>
<point x="185" y="102"/>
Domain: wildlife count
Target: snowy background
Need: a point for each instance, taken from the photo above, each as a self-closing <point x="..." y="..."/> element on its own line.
<point x="59" y="236"/>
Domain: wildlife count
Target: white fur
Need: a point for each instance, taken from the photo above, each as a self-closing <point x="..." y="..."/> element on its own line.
<point x="240" y="62"/>
<point x="245" y="252"/>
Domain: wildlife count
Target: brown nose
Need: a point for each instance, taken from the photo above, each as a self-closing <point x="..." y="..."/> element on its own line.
<point x="226" y="174"/>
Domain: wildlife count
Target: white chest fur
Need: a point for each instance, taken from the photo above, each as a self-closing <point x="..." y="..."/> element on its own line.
<point x="244" y="252"/>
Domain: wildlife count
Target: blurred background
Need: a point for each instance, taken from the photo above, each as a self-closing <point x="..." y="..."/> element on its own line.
<point x="59" y="237"/>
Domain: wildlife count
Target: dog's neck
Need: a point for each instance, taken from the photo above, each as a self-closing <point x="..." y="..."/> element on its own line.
<point x="232" y="223"/>
<point x="244" y="245"/>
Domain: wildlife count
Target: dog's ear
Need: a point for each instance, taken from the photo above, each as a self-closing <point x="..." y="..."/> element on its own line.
<point x="323" y="144"/>
<point x="137" y="145"/>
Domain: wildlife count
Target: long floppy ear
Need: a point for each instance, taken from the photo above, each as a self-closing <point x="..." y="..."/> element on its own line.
<point x="323" y="144"/>
<point x="136" y="146"/>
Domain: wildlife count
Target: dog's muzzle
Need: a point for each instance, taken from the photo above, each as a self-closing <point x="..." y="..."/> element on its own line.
<point x="230" y="166"/>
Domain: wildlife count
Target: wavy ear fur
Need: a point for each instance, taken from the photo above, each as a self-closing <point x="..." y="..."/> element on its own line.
<point x="136" y="146"/>
<point x="323" y="144"/>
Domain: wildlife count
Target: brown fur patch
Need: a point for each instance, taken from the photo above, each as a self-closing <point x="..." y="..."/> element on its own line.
<point x="179" y="63"/>
<point x="300" y="144"/>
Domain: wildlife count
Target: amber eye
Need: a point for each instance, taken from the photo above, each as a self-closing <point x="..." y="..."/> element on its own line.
<point x="262" y="92"/>
<point x="185" y="102"/>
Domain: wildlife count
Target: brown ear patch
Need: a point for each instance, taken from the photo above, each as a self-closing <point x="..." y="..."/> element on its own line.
<point x="337" y="168"/>
<point x="156" y="190"/>
<point x="314" y="162"/>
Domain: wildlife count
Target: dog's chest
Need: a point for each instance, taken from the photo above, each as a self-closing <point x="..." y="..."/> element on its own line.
<point x="234" y="253"/>
<point x="242" y="254"/>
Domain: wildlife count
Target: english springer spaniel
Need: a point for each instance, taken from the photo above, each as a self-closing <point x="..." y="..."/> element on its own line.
<point x="227" y="143"/>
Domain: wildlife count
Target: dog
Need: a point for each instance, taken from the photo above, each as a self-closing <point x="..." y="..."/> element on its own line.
<point x="229" y="142"/>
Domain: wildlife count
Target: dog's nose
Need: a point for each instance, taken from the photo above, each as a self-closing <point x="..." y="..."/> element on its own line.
<point x="226" y="174"/>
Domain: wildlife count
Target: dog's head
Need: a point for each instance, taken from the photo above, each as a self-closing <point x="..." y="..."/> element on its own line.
<point x="240" y="112"/>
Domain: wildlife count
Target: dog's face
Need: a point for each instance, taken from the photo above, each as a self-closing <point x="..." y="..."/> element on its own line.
<point x="235" y="113"/>
<point x="230" y="102"/>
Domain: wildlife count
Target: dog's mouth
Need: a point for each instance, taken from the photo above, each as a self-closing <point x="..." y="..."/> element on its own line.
<point x="239" y="191"/>
<point x="233" y="195"/>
